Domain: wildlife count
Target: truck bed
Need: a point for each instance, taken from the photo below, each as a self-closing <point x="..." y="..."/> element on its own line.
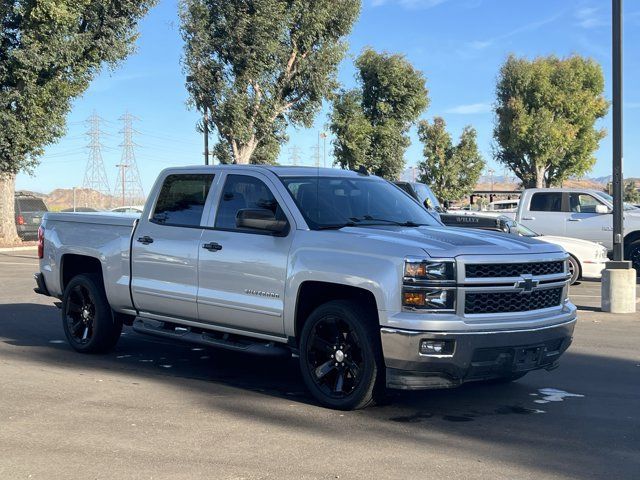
<point x="102" y="236"/>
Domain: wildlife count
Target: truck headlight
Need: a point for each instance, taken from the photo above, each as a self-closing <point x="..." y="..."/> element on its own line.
<point x="442" y="299"/>
<point x="429" y="285"/>
<point x="421" y="270"/>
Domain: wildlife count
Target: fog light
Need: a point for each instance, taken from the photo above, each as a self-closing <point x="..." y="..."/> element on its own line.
<point x="437" y="347"/>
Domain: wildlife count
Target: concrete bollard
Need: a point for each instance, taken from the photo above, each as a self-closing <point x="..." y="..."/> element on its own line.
<point x="618" y="289"/>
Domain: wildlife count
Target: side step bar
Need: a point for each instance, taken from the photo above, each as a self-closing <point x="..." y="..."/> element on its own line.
<point x="210" y="338"/>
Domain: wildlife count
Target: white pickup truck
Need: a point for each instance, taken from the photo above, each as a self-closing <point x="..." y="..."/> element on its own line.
<point x="584" y="214"/>
<point x="343" y="269"/>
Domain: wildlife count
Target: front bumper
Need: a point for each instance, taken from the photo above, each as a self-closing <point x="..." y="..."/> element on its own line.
<point x="592" y="269"/>
<point x="478" y="355"/>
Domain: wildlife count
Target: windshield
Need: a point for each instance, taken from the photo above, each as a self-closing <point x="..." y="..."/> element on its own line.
<point x="335" y="202"/>
<point x="609" y="198"/>
<point x="522" y="230"/>
<point x="426" y="196"/>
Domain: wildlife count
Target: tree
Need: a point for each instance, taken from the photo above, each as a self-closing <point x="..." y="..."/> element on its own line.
<point x="631" y="193"/>
<point x="452" y="171"/>
<point x="50" y="50"/>
<point x="546" y="111"/>
<point x="371" y="122"/>
<point x="259" y="65"/>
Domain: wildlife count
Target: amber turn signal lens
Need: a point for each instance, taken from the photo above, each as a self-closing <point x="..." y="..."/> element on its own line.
<point x="414" y="298"/>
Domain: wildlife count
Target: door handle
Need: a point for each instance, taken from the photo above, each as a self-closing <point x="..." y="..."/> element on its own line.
<point x="145" y="240"/>
<point x="212" y="246"/>
<point x="574" y="219"/>
<point x="528" y="218"/>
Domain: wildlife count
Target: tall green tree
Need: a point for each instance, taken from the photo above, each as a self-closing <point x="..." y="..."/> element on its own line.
<point x="546" y="110"/>
<point x="451" y="170"/>
<point x="258" y="66"/>
<point x="371" y="122"/>
<point x="49" y="52"/>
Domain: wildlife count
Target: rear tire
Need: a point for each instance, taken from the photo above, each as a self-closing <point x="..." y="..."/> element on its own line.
<point x="341" y="356"/>
<point x="87" y="319"/>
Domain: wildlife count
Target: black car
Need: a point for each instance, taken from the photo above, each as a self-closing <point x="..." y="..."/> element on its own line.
<point x="29" y="210"/>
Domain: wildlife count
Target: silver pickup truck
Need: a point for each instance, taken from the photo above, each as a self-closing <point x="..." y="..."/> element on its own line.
<point x="340" y="268"/>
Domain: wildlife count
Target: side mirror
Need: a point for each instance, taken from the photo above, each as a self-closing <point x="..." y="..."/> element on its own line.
<point x="602" y="209"/>
<point x="260" y="219"/>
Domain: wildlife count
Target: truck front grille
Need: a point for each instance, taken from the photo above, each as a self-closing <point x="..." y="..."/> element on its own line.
<point x="502" y="270"/>
<point x="509" y="302"/>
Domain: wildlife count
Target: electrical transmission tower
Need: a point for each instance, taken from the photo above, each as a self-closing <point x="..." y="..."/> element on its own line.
<point x="128" y="187"/>
<point x="316" y="155"/>
<point x="294" y="155"/>
<point x="95" y="176"/>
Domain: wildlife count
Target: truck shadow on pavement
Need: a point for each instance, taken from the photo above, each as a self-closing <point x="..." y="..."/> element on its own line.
<point x="579" y="421"/>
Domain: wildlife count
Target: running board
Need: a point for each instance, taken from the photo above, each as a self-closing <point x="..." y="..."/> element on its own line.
<point x="210" y="338"/>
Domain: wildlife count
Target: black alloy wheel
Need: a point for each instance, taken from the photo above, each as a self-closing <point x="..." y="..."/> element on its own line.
<point x="335" y="355"/>
<point x="341" y="355"/>
<point x="87" y="319"/>
<point x="633" y="255"/>
<point x="80" y="313"/>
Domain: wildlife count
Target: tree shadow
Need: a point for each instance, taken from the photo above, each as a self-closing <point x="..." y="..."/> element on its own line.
<point x="593" y="436"/>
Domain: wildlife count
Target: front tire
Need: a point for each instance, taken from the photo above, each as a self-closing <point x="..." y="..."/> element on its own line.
<point x="87" y="319"/>
<point x="574" y="269"/>
<point x="633" y="254"/>
<point x="341" y="356"/>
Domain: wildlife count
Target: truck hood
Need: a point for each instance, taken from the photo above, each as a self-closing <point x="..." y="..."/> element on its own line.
<point x="452" y="241"/>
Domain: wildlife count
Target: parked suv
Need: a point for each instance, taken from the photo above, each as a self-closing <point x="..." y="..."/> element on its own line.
<point x="29" y="210"/>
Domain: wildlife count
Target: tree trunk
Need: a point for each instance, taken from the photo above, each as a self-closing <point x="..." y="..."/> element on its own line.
<point x="540" y="180"/>
<point x="245" y="151"/>
<point x="8" y="233"/>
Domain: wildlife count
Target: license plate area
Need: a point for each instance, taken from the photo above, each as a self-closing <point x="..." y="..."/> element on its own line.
<point x="527" y="358"/>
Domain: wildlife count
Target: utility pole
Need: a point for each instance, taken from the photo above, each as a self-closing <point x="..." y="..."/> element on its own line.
<point x="618" y="183"/>
<point x="618" y="284"/>
<point x="205" y="131"/>
<point x="323" y="135"/>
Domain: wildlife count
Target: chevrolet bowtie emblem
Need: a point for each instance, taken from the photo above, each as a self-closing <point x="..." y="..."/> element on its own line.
<point x="526" y="285"/>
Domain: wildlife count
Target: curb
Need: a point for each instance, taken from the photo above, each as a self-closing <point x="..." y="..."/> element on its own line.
<point x="18" y="249"/>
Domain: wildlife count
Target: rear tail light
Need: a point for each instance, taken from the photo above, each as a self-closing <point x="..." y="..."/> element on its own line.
<point x="20" y="220"/>
<point x="40" y="242"/>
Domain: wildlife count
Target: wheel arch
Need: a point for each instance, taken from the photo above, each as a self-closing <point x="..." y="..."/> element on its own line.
<point x="631" y="238"/>
<point x="312" y="294"/>
<point x="72" y="264"/>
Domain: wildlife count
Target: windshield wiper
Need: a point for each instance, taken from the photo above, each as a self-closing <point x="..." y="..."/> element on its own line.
<point x="336" y="226"/>
<point x="369" y="218"/>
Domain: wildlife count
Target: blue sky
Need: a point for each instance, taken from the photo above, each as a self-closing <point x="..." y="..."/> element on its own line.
<point x="458" y="44"/>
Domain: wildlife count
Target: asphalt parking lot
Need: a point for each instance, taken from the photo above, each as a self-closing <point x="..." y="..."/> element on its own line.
<point x="153" y="409"/>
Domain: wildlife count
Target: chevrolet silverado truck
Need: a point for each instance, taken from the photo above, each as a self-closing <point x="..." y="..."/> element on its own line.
<point x="341" y="269"/>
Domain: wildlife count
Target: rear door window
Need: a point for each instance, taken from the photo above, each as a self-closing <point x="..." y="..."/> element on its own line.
<point x="181" y="200"/>
<point x="546" y="202"/>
